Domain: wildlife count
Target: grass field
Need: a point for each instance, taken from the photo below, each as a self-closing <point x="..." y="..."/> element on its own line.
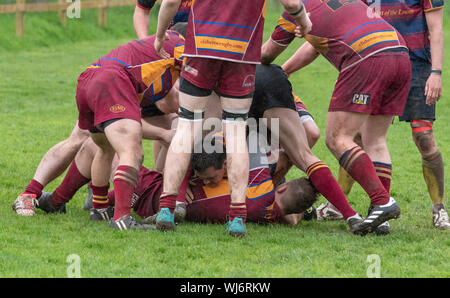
<point x="37" y="109"/>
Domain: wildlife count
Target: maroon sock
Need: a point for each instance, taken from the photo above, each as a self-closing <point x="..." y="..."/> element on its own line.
<point x="359" y="165"/>
<point x="238" y="210"/>
<point x="168" y="201"/>
<point x="384" y="172"/>
<point x="111" y="198"/>
<point x="125" y="181"/>
<point x="71" y="183"/>
<point x="34" y="188"/>
<point x="100" y="196"/>
<point x="323" y="180"/>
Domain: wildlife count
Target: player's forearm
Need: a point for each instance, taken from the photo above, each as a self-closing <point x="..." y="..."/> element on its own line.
<point x="435" y="23"/>
<point x="141" y="22"/>
<point x="167" y="11"/>
<point x="296" y="9"/>
<point x="303" y="57"/>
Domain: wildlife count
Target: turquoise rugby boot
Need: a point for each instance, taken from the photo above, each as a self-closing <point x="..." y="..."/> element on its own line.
<point x="165" y="220"/>
<point x="236" y="227"/>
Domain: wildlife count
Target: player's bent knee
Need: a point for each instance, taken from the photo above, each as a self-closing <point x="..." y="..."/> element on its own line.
<point x="422" y="132"/>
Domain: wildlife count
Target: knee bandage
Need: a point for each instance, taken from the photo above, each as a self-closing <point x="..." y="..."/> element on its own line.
<point x="189" y="115"/>
<point x="234" y="115"/>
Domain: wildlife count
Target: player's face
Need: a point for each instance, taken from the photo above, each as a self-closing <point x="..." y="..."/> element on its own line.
<point x="212" y="176"/>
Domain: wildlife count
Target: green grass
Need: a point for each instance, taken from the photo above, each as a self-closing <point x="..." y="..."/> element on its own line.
<point x="37" y="109"/>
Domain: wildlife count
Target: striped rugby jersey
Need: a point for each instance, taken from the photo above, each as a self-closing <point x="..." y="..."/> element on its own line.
<point x="408" y="17"/>
<point x="212" y="204"/>
<point x="227" y="30"/>
<point x="343" y="32"/>
<point x="152" y="76"/>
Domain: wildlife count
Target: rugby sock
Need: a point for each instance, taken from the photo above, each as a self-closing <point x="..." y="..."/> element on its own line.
<point x="71" y="183"/>
<point x="34" y="188"/>
<point x="323" y="180"/>
<point x="384" y="173"/>
<point x="433" y="173"/>
<point x="238" y="210"/>
<point x="111" y="198"/>
<point x="345" y="181"/>
<point x="167" y="200"/>
<point x="100" y="196"/>
<point x="358" y="164"/>
<point x="125" y="181"/>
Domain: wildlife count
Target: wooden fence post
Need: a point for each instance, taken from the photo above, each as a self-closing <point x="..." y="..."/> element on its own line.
<point x="20" y="17"/>
<point x="62" y="12"/>
<point x="102" y="12"/>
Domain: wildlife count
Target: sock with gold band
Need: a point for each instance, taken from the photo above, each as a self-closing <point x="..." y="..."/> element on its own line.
<point x="100" y="196"/>
<point x="238" y="210"/>
<point x="359" y="165"/>
<point x="323" y="180"/>
<point x="125" y="181"/>
<point x="168" y="200"/>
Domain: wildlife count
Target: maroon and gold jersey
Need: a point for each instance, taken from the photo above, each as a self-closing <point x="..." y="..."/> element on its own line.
<point x="152" y="76"/>
<point x="212" y="204"/>
<point x="343" y="32"/>
<point x="228" y="30"/>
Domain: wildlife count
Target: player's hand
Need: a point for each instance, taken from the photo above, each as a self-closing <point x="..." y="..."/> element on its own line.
<point x="433" y="89"/>
<point x="304" y="26"/>
<point x="158" y="44"/>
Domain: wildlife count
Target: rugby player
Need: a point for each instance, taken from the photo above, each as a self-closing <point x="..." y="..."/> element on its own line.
<point x="372" y="87"/>
<point x="223" y="45"/>
<point x="207" y="195"/>
<point x="421" y="26"/>
<point x="157" y="114"/>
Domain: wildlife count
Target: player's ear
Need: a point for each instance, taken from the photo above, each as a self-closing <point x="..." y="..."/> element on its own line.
<point x="282" y="188"/>
<point x="224" y="165"/>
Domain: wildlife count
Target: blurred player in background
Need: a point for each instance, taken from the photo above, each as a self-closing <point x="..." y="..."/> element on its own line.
<point x="223" y="46"/>
<point x="364" y="49"/>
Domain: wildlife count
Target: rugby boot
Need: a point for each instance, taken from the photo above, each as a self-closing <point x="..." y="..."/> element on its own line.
<point x="88" y="205"/>
<point x="128" y="222"/>
<point x="327" y="211"/>
<point x="440" y="219"/>
<point x="165" y="220"/>
<point x="310" y="214"/>
<point x="354" y="223"/>
<point x="101" y="213"/>
<point x="24" y="204"/>
<point x="44" y="203"/>
<point x="384" y="228"/>
<point x="381" y="213"/>
<point x="179" y="215"/>
<point x="180" y="212"/>
<point x="236" y="228"/>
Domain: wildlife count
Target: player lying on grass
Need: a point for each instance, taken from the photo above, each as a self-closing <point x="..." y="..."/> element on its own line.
<point x="206" y="197"/>
<point x="74" y="180"/>
<point x="372" y="88"/>
<point x="154" y="77"/>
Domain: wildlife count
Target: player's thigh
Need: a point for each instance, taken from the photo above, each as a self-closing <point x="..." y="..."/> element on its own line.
<point x="125" y="135"/>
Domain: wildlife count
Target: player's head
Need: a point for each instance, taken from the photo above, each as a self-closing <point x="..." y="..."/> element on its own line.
<point x="180" y="27"/>
<point x="295" y="196"/>
<point x="210" y="164"/>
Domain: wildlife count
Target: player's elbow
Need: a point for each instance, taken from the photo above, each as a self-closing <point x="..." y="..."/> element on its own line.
<point x="291" y="5"/>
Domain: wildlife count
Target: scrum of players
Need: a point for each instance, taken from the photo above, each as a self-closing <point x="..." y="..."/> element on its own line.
<point x="206" y="61"/>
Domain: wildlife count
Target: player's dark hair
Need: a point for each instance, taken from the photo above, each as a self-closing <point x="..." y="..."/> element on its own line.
<point x="299" y="196"/>
<point x="208" y="158"/>
<point x="180" y="28"/>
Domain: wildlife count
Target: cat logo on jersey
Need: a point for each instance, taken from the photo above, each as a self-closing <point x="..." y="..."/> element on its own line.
<point x="361" y="99"/>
